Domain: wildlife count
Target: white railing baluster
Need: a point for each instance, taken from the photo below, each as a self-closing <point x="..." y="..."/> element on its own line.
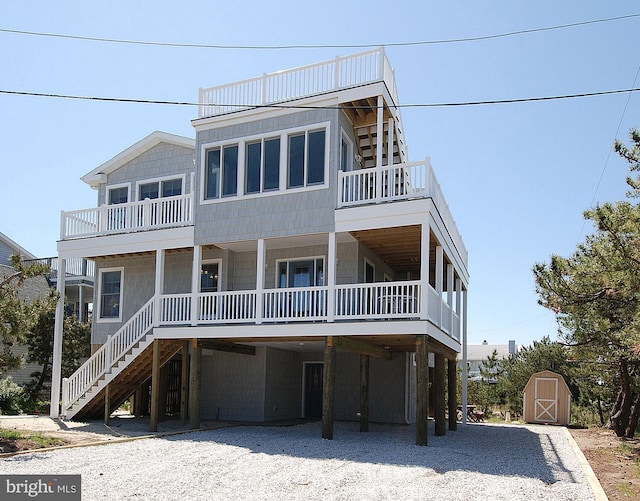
<point x="101" y="362"/>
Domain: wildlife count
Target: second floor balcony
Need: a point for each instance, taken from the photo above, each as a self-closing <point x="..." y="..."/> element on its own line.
<point x="357" y="188"/>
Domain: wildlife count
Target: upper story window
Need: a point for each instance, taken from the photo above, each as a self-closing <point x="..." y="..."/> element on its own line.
<point x="306" y="158"/>
<point x="221" y="173"/>
<point x="161" y="188"/>
<point x="290" y="159"/>
<point x="118" y="195"/>
<point x="262" y="172"/>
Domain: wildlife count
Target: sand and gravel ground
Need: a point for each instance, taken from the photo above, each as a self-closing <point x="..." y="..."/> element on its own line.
<point x="294" y="462"/>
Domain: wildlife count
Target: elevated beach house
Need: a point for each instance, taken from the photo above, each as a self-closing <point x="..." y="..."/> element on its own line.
<point x="290" y="262"/>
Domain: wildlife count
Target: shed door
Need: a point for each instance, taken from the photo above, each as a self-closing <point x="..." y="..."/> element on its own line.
<point x="546" y="400"/>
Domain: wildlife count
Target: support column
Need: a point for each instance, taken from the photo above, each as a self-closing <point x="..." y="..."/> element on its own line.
<point x="195" y="282"/>
<point x="379" y="147"/>
<point x="81" y="317"/>
<point x="328" y="389"/>
<point x="194" y="385"/>
<point x="452" y="387"/>
<point x="390" y="144"/>
<point x="438" y="389"/>
<point x="184" y="382"/>
<point x="450" y="295"/>
<point x="422" y="390"/>
<point x="155" y="386"/>
<point x="159" y="287"/>
<point x="425" y="236"/>
<point x="331" y="266"/>
<point x="465" y="368"/>
<point x="439" y="278"/>
<point x="107" y="403"/>
<point x="260" y="264"/>
<point x="364" y="392"/>
<point x="56" y="368"/>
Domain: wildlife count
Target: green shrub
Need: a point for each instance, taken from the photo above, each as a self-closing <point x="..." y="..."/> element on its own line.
<point x="11" y="397"/>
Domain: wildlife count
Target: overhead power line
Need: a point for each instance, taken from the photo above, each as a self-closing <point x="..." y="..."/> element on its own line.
<point x="315" y="46"/>
<point x="295" y="106"/>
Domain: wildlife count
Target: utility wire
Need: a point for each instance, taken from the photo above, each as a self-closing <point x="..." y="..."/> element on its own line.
<point x="606" y="162"/>
<point x="294" y="106"/>
<point x="315" y="46"/>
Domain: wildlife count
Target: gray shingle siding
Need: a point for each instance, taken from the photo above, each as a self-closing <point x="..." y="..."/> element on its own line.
<point x="160" y="161"/>
<point x="273" y="215"/>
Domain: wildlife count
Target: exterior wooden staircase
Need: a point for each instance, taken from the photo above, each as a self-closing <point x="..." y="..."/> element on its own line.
<point x="123" y="363"/>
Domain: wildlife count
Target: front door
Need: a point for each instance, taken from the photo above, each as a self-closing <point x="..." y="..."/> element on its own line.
<point x="313" y="390"/>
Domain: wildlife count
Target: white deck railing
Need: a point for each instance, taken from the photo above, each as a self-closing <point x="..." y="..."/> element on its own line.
<point x="271" y="88"/>
<point x="147" y="214"/>
<point x="101" y="362"/>
<point x="398" y="182"/>
<point x="377" y="301"/>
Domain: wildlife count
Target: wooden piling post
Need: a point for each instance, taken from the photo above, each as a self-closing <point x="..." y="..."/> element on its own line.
<point x="194" y="385"/>
<point x="364" y="393"/>
<point x="328" y="389"/>
<point x="438" y="389"/>
<point x="184" y="382"/>
<point x="155" y="386"/>
<point x="107" y="403"/>
<point x="422" y="390"/>
<point x="452" y="385"/>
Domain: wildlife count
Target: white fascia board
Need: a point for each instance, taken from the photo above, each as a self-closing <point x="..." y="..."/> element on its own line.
<point x="320" y="330"/>
<point x="98" y="175"/>
<point x="252" y="114"/>
<point x="144" y="241"/>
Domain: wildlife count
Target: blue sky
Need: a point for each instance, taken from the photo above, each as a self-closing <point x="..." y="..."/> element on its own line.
<point x="517" y="176"/>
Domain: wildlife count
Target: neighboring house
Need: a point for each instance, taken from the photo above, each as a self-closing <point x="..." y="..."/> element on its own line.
<point x="478" y="354"/>
<point x="8" y="248"/>
<point x="290" y="262"/>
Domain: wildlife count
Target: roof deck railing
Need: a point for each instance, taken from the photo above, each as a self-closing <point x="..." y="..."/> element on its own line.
<point x="319" y="78"/>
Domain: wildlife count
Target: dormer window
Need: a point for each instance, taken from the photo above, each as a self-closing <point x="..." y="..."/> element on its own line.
<point x="161" y="188"/>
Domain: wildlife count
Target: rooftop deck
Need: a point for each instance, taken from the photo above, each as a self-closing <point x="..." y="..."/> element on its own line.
<point x="298" y="83"/>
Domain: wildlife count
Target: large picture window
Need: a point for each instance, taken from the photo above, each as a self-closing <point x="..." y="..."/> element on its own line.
<point x="111" y="294"/>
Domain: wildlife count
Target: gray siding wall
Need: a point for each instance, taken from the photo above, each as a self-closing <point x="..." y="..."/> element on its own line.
<point x="268" y="386"/>
<point x="177" y="275"/>
<point x="158" y="162"/>
<point x="380" y="266"/>
<point x="387" y="388"/>
<point x="5" y="253"/>
<point x="283" y="386"/>
<point x="137" y="289"/>
<point x="233" y="385"/>
<point x="274" y="215"/>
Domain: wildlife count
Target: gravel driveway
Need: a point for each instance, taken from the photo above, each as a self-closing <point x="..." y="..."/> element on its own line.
<point x="475" y="462"/>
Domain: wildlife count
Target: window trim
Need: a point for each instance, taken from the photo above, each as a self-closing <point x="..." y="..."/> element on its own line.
<point x="350" y="165"/>
<point x="98" y="314"/>
<point x="158" y="180"/>
<point x="116" y="187"/>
